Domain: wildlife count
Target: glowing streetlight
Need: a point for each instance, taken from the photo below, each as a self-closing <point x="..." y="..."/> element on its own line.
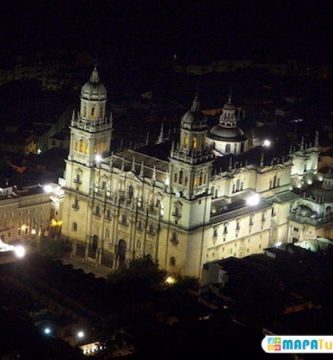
<point x="19" y="251"/>
<point x="80" y="334"/>
<point x="39" y="151"/>
<point x="98" y="158"/>
<point x="170" y="280"/>
<point x="253" y="200"/>
<point x="266" y="143"/>
<point x="47" y="331"/>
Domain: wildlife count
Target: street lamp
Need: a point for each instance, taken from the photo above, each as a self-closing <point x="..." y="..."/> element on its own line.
<point x="20" y="251"/>
<point x="266" y="143"/>
<point x="47" y="331"/>
<point x="80" y="334"/>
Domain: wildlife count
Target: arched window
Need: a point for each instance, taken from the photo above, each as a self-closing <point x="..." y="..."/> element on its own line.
<point x="78" y="179"/>
<point x="76" y="203"/>
<point x="194" y="143"/>
<point x="275" y="181"/>
<point x="185" y="140"/>
<point x="107" y="233"/>
<point x="130" y="191"/>
<point x="151" y="229"/>
<point x="74" y="226"/>
<point x="139" y="225"/>
<point x="81" y="145"/>
<point x="93" y="111"/>
<point x="108" y="214"/>
<point x="172" y="261"/>
<point x="227" y="148"/>
<point x="181" y="175"/>
<point x="98" y="211"/>
<point x="174" y="239"/>
<point x="200" y="178"/>
<point x="237" y="185"/>
<point x="177" y="209"/>
<point x="186" y="181"/>
<point x="84" y="110"/>
<point x="138" y="244"/>
<point x="175" y="178"/>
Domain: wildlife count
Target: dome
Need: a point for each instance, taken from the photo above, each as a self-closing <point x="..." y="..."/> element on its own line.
<point x="94" y="89"/>
<point x="194" y="116"/>
<point x="226" y="133"/>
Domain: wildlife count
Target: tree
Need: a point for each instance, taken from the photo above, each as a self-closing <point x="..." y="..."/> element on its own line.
<point x="138" y="281"/>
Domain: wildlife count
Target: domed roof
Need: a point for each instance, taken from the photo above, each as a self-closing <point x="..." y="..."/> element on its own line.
<point x="194" y="116"/>
<point x="219" y="132"/>
<point x="94" y="89"/>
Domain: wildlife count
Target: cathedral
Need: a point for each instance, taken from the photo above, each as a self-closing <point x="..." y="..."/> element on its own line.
<point x="208" y="194"/>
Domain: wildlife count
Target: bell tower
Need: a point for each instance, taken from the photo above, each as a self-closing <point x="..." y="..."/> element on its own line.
<point x="91" y="132"/>
<point x="190" y="167"/>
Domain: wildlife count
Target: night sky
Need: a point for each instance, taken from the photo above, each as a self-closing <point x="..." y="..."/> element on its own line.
<point x="154" y="30"/>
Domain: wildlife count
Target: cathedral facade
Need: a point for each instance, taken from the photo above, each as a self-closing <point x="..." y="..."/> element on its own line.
<point x="205" y="195"/>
